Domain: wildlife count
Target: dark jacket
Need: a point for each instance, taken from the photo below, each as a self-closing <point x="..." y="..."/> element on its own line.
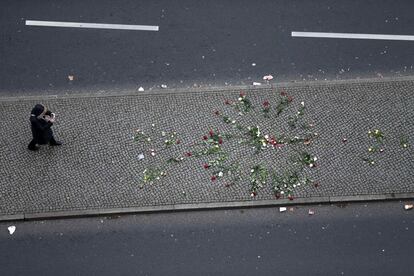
<point x="42" y="133"/>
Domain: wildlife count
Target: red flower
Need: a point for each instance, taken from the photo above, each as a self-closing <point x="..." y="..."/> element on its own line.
<point x="188" y="154"/>
<point x="227" y="102"/>
<point x="273" y="141"/>
<point x="290" y="197"/>
<point x="177" y="142"/>
<point x="205" y="137"/>
<point x="217" y="112"/>
<point x="213" y="178"/>
<point x="206" y="166"/>
<point x="283" y="93"/>
<point x="266" y="104"/>
<point x="211" y="132"/>
<point x="290" y="98"/>
<point x="277" y="195"/>
<point x="316" y="184"/>
<point x="242" y="94"/>
<point x="220" y="141"/>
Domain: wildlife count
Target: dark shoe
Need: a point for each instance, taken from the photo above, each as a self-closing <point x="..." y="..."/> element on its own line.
<point x="34" y="148"/>
<point x="56" y="143"/>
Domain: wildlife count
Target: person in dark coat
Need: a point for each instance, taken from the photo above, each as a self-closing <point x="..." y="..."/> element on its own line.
<point x="41" y="121"/>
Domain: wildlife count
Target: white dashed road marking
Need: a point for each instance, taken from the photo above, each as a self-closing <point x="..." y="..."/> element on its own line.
<point x="91" y="25"/>
<point x="353" y="36"/>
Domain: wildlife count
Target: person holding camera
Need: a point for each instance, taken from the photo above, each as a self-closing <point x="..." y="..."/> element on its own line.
<point x="41" y="121"/>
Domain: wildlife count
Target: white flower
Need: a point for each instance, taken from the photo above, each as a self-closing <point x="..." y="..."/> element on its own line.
<point x="282" y="192"/>
<point x="266" y="136"/>
<point x="294" y="185"/>
<point x="152" y="153"/>
<point x="149" y="139"/>
<point x="252" y="170"/>
<point x="314" y="158"/>
<point x="233" y="122"/>
<point x="302" y="103"/>
<point x="163" y="133"/>
<point x="311" y="165"/>
<point x="220" y="174"/>
<point x="153" y="125"/>
<point x="240" y="98"/>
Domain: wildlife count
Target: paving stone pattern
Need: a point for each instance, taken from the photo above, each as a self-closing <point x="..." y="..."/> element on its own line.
<point x="98" y="165"/>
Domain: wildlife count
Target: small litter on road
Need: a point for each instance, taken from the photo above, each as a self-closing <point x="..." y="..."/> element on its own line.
<point x="11" y="229"/>
<point x="282" y="209"/>
<point x="71" y="77"/>
<point x="268" y="78"/>
<point x="141" y="89"/>
<point x="140" y="156"/>
<point x="408" y="206"/>
<point x="163" y="86"/>
<point x="253" y="64"/>
<point x="311" y="212"/>
<point x="256" y="83"/>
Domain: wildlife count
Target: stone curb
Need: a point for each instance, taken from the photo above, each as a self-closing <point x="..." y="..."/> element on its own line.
<point x="207" y="206"/>
<point x="179" y="91"/>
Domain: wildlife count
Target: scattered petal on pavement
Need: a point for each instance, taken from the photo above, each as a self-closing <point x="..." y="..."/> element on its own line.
<point x="268" y="78"/>
<point x="141" y="89"/>
<point x="282" y="209"/>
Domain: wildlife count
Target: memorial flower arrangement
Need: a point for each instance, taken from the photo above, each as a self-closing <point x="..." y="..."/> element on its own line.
<point x="214" y="158"/>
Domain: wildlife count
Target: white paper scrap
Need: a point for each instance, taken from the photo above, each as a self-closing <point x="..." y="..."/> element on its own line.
<point x="11" y="229"/>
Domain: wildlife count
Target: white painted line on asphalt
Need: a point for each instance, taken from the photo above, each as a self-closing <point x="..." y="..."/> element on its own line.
<point x="91" y="25"/>
<point x="353" y="36"/>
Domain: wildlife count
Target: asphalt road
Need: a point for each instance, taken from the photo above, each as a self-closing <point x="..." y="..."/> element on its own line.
<point x="199" y="43"/>
<point x="358" y="239"/>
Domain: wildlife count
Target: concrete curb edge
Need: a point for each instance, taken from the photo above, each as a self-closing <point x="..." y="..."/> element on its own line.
<point x="217" y="89"/>
<point x="206" y="206"/>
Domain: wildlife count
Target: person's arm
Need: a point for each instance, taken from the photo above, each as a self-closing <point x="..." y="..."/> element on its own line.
<point x="39" y="125"/>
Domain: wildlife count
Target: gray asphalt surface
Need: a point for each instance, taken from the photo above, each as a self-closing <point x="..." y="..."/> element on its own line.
<point x="357" y="239"/>
<point x="199" y="43"/>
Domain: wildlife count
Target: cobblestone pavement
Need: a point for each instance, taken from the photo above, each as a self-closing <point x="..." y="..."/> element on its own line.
<point x="98" y="167"/>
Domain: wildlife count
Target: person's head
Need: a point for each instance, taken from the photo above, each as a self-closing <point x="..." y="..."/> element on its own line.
<point x="39" y="110"/>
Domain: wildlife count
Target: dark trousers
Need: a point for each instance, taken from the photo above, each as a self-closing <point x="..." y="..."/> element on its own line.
<point x="32" y="144"/>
